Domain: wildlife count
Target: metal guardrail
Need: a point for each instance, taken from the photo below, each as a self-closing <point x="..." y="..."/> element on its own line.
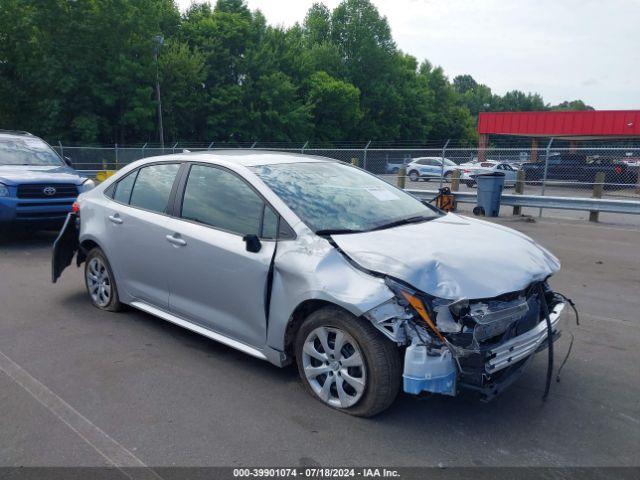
<point x="537" y="201"/>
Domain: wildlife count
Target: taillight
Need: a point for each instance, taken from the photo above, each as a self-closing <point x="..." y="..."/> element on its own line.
<point x="618" y="169"/>
<point x="75" y="208"/>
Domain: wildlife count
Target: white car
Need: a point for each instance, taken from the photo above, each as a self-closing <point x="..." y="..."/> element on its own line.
<point x="471" y="170"/>
<point x="425" y="168"/>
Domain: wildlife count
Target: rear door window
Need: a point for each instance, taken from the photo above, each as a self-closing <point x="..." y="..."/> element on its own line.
<point x="124" y="187"/>
<point x="152" y="187"/>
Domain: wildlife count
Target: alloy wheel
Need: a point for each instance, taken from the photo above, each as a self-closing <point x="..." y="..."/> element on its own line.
<point x="99" y="282"/>
<point x="334" y="366"/>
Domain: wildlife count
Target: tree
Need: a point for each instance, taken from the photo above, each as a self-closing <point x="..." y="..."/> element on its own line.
<point x="572" y="105"/>
<point x="317" y="25"/>
<point x="517" y="101"/>
<point x="84" y="71"/>
<point x="449" y="117"/>
<point x="276" y="113"/>
<point x="182" y="79"/>
<point x="464" y="83"/>
<point x="335" y="106"/>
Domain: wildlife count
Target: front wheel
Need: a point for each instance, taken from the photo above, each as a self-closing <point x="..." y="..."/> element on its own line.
<point x="346" y="363"/>
<point x="100" y="282"/>
<point x="414" y="176"/>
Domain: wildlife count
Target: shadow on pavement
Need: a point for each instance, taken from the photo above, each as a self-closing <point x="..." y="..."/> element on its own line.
<point x="18" y="238"/>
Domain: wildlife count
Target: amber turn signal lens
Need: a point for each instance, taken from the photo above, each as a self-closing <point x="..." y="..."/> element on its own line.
<point x="418" y="306"/>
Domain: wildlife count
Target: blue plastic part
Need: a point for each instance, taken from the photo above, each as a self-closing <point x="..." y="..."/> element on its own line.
<point x="445" y="385"/>
<point x="489" y="191"/>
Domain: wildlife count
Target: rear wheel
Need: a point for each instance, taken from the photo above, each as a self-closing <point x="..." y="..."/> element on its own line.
<point x="346" y="363"/>
<point x="100" y="283"/>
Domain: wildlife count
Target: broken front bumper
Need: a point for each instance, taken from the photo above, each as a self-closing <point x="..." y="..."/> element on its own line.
<point x="487" y="370"/>
<point x="523" y="345"/>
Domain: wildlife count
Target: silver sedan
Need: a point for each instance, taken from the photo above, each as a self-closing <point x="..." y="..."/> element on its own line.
<point x="292" y="258"/>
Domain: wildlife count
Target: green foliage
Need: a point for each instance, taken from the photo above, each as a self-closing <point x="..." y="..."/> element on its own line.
<point x="85" y="71"/>
<point x="335" y="105"/>
<point x="572" y="105"/>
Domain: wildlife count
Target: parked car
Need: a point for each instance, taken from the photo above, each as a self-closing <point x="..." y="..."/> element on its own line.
<point x="425" y="168"/>
<point x="393" y="166"/>
<point x="471" y="171"/>
<point x="37" y="186"/>
<point x="477" y="163"/>
<point x="290" y="258"/>
<point x="572" y="167"/>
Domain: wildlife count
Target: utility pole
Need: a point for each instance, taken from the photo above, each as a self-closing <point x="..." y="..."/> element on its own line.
<point x="158" y="41"/>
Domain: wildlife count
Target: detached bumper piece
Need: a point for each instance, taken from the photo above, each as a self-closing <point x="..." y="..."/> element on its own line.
<point x="524" y="345"/>
<point x="491" y="370"/>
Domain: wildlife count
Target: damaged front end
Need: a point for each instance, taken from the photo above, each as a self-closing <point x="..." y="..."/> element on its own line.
<point x="481" y="345"/>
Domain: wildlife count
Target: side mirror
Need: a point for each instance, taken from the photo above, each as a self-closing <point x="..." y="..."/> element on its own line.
<point x="67" y="160"/>
<point x="253" y="243"/>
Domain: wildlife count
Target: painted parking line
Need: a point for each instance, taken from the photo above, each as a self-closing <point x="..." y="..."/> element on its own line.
<point x="112" y="451"/>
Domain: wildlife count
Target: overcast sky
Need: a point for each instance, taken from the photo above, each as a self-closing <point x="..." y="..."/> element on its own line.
<point x="562" y="49"/>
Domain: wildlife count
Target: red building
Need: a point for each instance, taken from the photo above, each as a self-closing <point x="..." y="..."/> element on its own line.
<point x="568" y="125"/>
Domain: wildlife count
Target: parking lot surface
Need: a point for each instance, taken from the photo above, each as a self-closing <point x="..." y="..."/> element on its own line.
<point x="82" y="387"/>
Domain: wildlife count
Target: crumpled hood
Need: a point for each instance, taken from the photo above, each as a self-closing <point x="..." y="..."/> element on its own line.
<point x="17" y="174"/>
<point x="453" y="257"/>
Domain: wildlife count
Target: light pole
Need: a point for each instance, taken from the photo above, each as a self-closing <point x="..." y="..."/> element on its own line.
<point x="158" y="41"/>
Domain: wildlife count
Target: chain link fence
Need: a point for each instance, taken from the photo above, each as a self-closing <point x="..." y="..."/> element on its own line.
<point x="611" y="172"/>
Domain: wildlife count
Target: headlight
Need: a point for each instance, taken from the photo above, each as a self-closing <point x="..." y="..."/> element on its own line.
<point x="4" y="191"/>
<point x="424" y="311"/>
<point x="87" y="185"/>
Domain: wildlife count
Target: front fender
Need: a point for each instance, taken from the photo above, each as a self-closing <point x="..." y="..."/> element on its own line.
<point x="312" y="269"/>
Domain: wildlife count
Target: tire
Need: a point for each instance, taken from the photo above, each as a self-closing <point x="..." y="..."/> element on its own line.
<point x="469" y="183"/>
<point x="414" y="176"/>
<point x="378" y="369"/>
<point x="447" y="177"/>
<point x="100" y="282"/>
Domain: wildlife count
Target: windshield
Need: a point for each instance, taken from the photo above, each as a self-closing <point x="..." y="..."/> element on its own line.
<point x="449" y="162"/>
<point x="27" y="151"/>
<point x="337" y="197"/>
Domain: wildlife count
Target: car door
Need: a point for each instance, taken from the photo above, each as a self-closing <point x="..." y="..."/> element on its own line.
<point x="215" y="281"/>
<point x="435" y="168"/>
<point x="509" y="173"/>
<point x="136" y="221"/>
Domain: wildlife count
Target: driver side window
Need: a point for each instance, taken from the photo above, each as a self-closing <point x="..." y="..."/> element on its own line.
<point x="221" y="199"/>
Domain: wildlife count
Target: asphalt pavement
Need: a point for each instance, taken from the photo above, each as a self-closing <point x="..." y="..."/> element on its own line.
<point x="82" y="387"/>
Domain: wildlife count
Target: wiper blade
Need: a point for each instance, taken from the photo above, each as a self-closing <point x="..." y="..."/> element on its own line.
<point x="403" y="221"/>
<point x="336" y="231"/>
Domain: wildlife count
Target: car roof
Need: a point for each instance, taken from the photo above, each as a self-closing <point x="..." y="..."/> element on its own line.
<point x="253" y="158"/>
<point x="14" y="134"/>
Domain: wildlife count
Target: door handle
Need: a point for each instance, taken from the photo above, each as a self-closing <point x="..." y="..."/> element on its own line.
<point x="176" y="240"/>
<point x="115" y="218"/>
